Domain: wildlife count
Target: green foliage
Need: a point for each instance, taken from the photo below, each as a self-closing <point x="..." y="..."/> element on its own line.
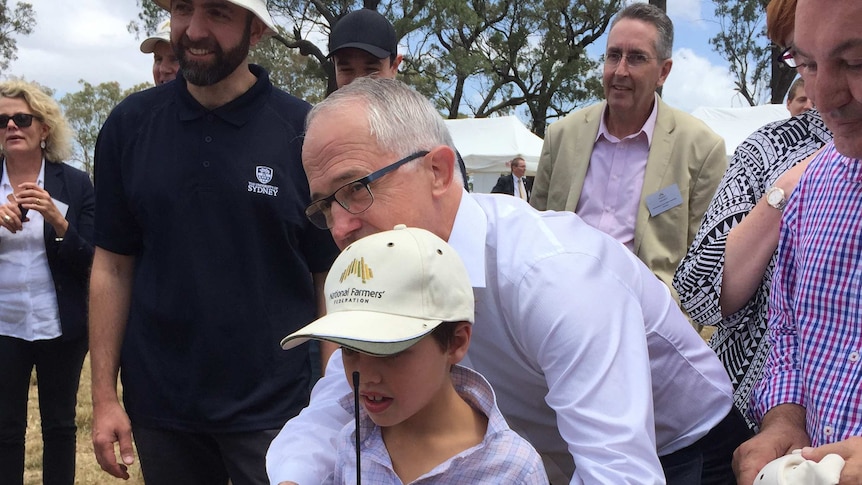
<point x="475" y="57"/>
<point x="87" y="109"/>
<point x="18" y="21"/>
<point x="742" y="41"/>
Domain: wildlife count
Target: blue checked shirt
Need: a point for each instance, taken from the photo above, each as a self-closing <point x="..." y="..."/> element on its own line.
<point x="816" y="304"/>
<point x="503" y="457"/>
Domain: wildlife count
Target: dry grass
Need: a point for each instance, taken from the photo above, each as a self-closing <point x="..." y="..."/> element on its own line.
<point x="88" y="471"/>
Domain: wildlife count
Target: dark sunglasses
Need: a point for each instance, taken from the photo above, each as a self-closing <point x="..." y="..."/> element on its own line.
<point x="22" y="120"/>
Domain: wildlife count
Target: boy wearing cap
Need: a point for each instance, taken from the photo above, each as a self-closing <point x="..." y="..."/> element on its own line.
<point x="165" y="62"/>
<point x="363" y="43"/>
<point x="400" y="305"/>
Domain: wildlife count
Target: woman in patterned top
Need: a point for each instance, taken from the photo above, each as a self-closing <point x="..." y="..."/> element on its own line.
<point x="724" y="279"/>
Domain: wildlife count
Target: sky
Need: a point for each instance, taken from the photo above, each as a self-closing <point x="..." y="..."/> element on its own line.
<point x="88" y="39"/>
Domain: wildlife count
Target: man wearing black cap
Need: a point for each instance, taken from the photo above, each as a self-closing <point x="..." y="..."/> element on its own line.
<point x="363" y="43"/>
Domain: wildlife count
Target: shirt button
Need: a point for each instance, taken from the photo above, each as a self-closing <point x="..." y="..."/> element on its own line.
<point x="827" y="430"/>
<point x="206" y="163"/>
<point x="208" y="139"/>
<point x="854" y="356"/>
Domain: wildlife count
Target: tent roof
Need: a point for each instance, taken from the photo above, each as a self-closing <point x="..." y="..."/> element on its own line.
<point x="736" y="124"/>
<point x="486" y="144"/>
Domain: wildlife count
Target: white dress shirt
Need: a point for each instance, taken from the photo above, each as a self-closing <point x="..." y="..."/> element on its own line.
<point x="28" y="300"/>
<point x="591" y="359"/>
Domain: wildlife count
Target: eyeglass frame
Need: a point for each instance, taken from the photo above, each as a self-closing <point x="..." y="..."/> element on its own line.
<point x="640" y="58"/>
<point x="788" y="57"/>
<point x="315" y="207"/>
<point x="21" y="116"/>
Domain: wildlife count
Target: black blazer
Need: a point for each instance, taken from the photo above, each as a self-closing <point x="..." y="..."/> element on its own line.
<point x="506" y="185"/>
<point x="71" y="258"/>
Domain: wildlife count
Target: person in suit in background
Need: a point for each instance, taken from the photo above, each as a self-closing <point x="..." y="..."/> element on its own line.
<point x="46" y="248"/>
<point x="516" y="183"/>
<point x="632" y="166"/>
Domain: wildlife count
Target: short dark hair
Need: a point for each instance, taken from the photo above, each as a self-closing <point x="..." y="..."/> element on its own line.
<point x="512" y="163"/>
<point x="444" y="334"/>
<point x="651" y="14"/>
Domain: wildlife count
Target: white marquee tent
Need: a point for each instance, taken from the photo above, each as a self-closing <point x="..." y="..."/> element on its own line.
<point x="488" y="144"/>
<point x="736" y="124"/>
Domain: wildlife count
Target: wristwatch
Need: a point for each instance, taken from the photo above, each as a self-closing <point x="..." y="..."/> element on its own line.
<point x="775" y="197"/>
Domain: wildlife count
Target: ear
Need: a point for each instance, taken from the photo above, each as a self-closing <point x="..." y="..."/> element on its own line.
<point x="665" y="71"/>
<point x="460" y="342"/>
<point x="257" y="30"/>
<point x="393" y="66"/>
<point x="442" y="160"/>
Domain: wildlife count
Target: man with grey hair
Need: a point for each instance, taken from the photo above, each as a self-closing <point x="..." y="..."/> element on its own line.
<point x="204" y="259"/>
<point x="632" y="166"/>
<point x="600" y="390"/>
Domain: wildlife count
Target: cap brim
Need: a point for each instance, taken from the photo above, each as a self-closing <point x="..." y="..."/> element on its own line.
<point x="148" y="46"/>
<point x="371" y="333"/>
<point x="371" y="49"/>
<point x="259" y="11"/>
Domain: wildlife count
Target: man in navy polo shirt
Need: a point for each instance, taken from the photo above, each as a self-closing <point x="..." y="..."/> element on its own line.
<point x="204" y="260"/>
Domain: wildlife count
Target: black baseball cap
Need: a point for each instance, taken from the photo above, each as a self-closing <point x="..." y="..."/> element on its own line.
<point x="364" y="29"/>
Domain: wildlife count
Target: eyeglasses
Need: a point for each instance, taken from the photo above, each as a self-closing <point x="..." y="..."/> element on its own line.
<point x="22" y="120"/>
<point x="633" y="59"/>
<point x="787" y="57"/>
<point x="355" y="197"/>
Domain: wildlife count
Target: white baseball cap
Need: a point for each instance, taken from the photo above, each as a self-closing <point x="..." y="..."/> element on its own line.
<point x="387" y="291"/>
<point x="792" y="469"/>
<point x="148" y="46"/>
<point x="257" y="7"/>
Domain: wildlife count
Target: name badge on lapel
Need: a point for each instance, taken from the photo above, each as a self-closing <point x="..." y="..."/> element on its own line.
<point x="663" y="200"/>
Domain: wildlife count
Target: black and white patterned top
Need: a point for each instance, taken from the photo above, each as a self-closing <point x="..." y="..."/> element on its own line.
<point x="756" y="165"/>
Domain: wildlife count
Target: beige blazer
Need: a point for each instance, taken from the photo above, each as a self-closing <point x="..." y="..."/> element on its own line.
<point x="684" y="151"/>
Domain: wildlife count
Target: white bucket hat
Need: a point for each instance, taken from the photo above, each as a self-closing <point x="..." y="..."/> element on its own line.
<point x="387" y="291"/>
<point x="257" y="7"/>
<point x="792" y="469"/>
<point x="148" y="46"/>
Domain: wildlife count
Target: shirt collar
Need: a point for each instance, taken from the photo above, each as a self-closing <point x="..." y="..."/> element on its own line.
<point x="7" y="185"/>
<point x="648" y="128"/>
<point x="468" y="238"/>
<point x="236" y="112"/>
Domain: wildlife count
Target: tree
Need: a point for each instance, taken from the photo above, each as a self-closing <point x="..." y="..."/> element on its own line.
<point x="753" y="60"/>
<point x="477" y="57"/>
<point x="19" y="21"/>
<point x="87" y="110"/>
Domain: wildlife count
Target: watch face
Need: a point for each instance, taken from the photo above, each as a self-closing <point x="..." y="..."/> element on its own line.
<point x="775" y="197"/>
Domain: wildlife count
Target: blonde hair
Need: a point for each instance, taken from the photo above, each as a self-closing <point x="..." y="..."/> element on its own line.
<point x="58" y="143"/>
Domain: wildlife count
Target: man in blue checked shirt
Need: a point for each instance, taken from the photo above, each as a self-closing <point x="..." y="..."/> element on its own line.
<point x="809" y="395"/>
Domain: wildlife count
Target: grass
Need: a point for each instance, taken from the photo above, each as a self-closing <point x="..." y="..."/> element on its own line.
<point x="88" y="471"/>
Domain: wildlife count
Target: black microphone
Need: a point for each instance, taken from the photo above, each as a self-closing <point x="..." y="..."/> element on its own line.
<point x="356" y="418"/>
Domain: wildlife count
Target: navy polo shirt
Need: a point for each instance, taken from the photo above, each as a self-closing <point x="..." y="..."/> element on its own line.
<point x="211" y="203"/>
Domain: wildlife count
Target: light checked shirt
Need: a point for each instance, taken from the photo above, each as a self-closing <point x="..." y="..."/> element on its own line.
<point x="815" y="310"/>
<point x="502" y="457"/>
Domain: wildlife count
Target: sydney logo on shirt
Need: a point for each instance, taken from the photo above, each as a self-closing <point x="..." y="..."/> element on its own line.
<point x="264" y="176"/>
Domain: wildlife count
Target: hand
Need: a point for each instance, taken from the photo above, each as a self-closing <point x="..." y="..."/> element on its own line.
<point x="849" y="449"/>
<point x="11" y="217"/>
<point x="36" y="198"/>
<point x="111" y="425"/>
<point x="782" y="432"/>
